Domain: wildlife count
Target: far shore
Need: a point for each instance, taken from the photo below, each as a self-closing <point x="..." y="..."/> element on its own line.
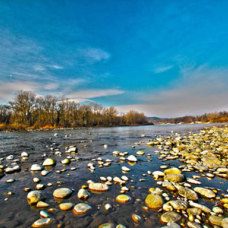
<point x="48" y="128"/>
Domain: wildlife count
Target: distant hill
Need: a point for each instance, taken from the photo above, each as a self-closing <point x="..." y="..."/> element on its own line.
<point x="215" y="117"/>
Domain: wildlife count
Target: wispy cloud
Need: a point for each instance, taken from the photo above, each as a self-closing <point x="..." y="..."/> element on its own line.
<point x="93" y="55"/>
<point x="51" y="86"/>
<point x="162" y="69"/>
<point x="9" y="89"/>
<point x="39" y="68"/>
<point x="84" y="95"/>
<point x="200" y="90"/>
<point x="55" y="66"/>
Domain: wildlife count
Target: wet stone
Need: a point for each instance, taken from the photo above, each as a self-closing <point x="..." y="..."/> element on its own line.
<point x="33" y="197"/>
<point x="83" y="194"/>
<point x="123" y="198"/>
<point x="174" y="178"/>
<point x="65" y="206"/>
<point x="215" y="220"/>
<point x="205" y="192"/>
<point x="36" y="167"/>
<point x="81" y="208"/>
<point x="49" y="162"/>
<point x="154" y="201"/>
<point x="172" y="170"/>
<point x="170" y="216"/>
<point x="62" y="193"/>
<point x="99" y="187"/>
<point x="42" y="222"/>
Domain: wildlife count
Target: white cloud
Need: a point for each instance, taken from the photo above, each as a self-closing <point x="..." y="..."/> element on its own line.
<point x="51" y="86"/>
<point x="93" y="55"/>
<point x="86" y="94"/>
<point x="8" y="89"/>
<point x="200" y="90"/>
<point x="162" y="69"/>
<point x="55" y="66"/>
<point x="39" y="68"/>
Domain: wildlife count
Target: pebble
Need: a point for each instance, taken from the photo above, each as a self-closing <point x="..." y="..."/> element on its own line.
<point x="98" y="187"/>
<point x="34" y="196"/>
<point x="42" y="204"/>
<point x="65" y="161"/>
<point x="44" y="214"/>
<point x="154" y="201"/>
<point x="132" y="158"/>
<point x="42" y="222"/>
<point x="62" y="193"/>
<point x="65" y="206"/>
<point x="170" y="216"/>
<point x="36" y="167"/>
<point x="107" y="206"/>
<point x="10" y="181"/>
<point x="125" y="169"/>
<point x="83" y="194"/>
<point x="49" y="162"/>
<point x="123" y="198"/>
<point x="136" y="218"/>
<point x="81" y="208"/>
<point x="24" y="155"/>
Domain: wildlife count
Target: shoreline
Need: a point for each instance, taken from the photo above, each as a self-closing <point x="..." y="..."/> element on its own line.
<point x="28" y="129"/>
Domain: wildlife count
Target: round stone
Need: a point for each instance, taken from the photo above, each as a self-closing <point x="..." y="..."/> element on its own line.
<point x="44" y="214"/>
<point x="36" y="167"/>
<point x="215" y="220"/>
<point x="187" y="192"/>
<point x="136" y="218"/>
<point x="225" y="223"/>
<point x="42" y="222"/>
<point x="99" y="187"/>
<point x="154" y="201"/>
<point x="125" y="169"/>
<point x="107" y="206"/>
<point x="178" y="204"/>
<point x="83" y="194"/>
<point x="205" y="192"/>
<point x="139" y="153"/>
<point x="65" y="206"/>
<point x="49" y="162"/>
<point x="123" y="198"/>
<point x="66" y="161"/>
<point x="174" y="177"/>
<point x="170" y="216"/>
<point x="34" y="197"/>
<point x="172" y="170"/>
<point x="218" y="210"/>
<point x="10" y="181"/>
<point x="132" y="158"/>
<point x="24" y="155"/>
<point x="44" y="172"/>
<point x="81" y="208"/>
<point x="62" y="193"/>
<point x="120" y="226"/>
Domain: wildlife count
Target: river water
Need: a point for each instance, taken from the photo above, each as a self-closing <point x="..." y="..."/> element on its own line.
<point x="15" y="210"/>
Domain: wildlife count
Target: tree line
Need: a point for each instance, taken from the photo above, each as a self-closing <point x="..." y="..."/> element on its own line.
<point x="215" y="117"/>
<point x="29" y="111"/>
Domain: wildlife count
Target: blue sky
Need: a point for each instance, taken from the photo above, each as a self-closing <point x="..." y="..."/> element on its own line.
<point x="165" y="58"/>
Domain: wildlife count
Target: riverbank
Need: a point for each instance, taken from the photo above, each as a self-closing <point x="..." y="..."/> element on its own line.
<point x="195" y="191"/>
<point x="13" y="127"/>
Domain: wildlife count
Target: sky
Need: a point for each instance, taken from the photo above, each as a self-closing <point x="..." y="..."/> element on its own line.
<point x="164" y="58"/>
